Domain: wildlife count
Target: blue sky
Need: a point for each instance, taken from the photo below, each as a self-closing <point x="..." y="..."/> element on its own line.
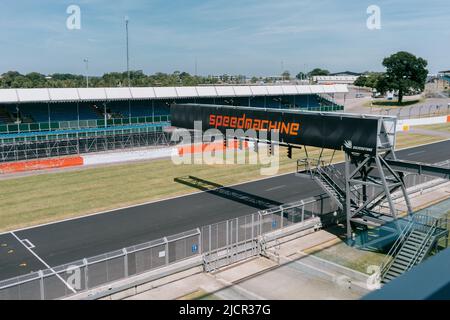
<point x="251" y="37"/>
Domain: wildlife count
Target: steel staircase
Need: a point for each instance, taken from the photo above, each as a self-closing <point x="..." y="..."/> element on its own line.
<point x="329" y="186"/>
<point x="414" y="245"/>
<point x="332" y="182"/>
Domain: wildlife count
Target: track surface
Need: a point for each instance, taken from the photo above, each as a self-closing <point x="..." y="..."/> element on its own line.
<point x="64" y="242"/>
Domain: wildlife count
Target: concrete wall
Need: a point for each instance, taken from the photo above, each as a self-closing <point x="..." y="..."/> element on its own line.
<point x="405" y="125"/>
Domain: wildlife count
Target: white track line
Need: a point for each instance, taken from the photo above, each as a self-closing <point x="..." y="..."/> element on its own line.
<point x="43" y="262"/>
<point x="184" y="195"/>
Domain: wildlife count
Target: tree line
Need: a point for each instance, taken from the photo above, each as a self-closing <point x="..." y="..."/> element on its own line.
<point x="14" y="79"/>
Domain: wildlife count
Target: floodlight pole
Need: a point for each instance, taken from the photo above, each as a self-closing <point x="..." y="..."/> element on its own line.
<point x="128" y="52"/>
<point x="87" y="71"/>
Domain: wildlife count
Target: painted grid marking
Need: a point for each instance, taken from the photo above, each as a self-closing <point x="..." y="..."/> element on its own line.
<point x="42" y="261"/>
<point x="27" y="243"/>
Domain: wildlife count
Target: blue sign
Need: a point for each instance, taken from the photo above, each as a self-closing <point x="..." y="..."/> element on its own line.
<point x="194" y="248"/>
<point x="274" y="224"/>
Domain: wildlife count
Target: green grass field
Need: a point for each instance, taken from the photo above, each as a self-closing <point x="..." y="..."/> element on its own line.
<point x="44" y="198"/>
<point x="350" y="257"/>
<point x="392" y="103"/>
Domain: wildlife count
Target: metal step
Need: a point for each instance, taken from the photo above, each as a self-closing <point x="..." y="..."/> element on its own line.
<point x="411" y="246"/>
<point x="421" y="240"/>
<point x="393" y="274"/>
<point x="399" y="268"/>
<point x="403" y="261"/>
<point x="407" y="252"/>
<point x="418" y="234"/>
<point x="415" y="241"/>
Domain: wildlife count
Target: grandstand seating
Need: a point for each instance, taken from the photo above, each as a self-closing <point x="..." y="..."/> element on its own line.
<point x="70" y="111"/>
<point x="39" y="112"/>
<point x="139" y="108"/>
<point x="300" y="102"/>
<point x="87" y="112"/>
<point x="5" y="116"/>
<point x="35" y="112"/>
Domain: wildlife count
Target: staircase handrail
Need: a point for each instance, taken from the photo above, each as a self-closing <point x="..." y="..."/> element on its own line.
<point x="335" y="172"/>
<point x="389" y="260"/>
<point x="333" y="185"/>
<point x="423" y="245"/>
<point x="310" y="163"/>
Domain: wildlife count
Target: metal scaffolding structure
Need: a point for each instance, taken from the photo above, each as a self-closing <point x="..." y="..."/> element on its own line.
<point x="55" y="145"/>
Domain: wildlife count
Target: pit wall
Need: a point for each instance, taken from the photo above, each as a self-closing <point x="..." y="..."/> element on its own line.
<point x="34" y="165"/>
<point x="405" y="125"/>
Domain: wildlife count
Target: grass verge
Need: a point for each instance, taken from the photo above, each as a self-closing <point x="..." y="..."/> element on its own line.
<point x="393" y="103"/>
<point x="347" y="256"/>
<point x="444" y="127"/>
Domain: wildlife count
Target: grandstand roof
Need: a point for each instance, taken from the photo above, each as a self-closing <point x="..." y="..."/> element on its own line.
<point x="111" y="94"/>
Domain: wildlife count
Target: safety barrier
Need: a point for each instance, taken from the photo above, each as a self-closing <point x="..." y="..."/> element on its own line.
<point x="23" y="166"/>
<point x="405" y="125"/>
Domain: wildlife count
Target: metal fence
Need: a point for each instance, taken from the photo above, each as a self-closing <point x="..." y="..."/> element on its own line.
<point x="82" y="143"/>
<point x="79" y="124"/>
<point x="413" y="112"/>
<point x="86" y="274"/>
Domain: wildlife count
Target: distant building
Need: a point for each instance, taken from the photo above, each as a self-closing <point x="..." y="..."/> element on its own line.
<point x="335" y="79"/>
<point x="345" y="77"/>
<point x="346" y="74"/>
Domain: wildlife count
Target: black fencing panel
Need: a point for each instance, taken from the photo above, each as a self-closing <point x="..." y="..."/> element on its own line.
<point x="331" y="131"/>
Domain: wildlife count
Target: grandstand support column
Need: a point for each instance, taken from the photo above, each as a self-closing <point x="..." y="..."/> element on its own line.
<point x="153" y="111"/>
<point x="129" y="110"/>
<point x="17" y="113"/>
<point x="78" y="113"/>
<point x="105" y="116"/>
<point x="49" y="118"/>
<point x="78" y="143"/>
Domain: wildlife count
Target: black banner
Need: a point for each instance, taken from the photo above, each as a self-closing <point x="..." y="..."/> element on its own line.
<point x="330" y="131"/>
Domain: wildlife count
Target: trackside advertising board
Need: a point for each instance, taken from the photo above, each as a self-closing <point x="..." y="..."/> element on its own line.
<point x="328" y="130"/>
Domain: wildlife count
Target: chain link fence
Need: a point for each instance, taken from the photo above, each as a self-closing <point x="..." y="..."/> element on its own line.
<point x="413" y="112"/>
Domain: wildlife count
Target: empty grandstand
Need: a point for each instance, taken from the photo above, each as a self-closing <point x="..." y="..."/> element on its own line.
<point x="36" y="123"/>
